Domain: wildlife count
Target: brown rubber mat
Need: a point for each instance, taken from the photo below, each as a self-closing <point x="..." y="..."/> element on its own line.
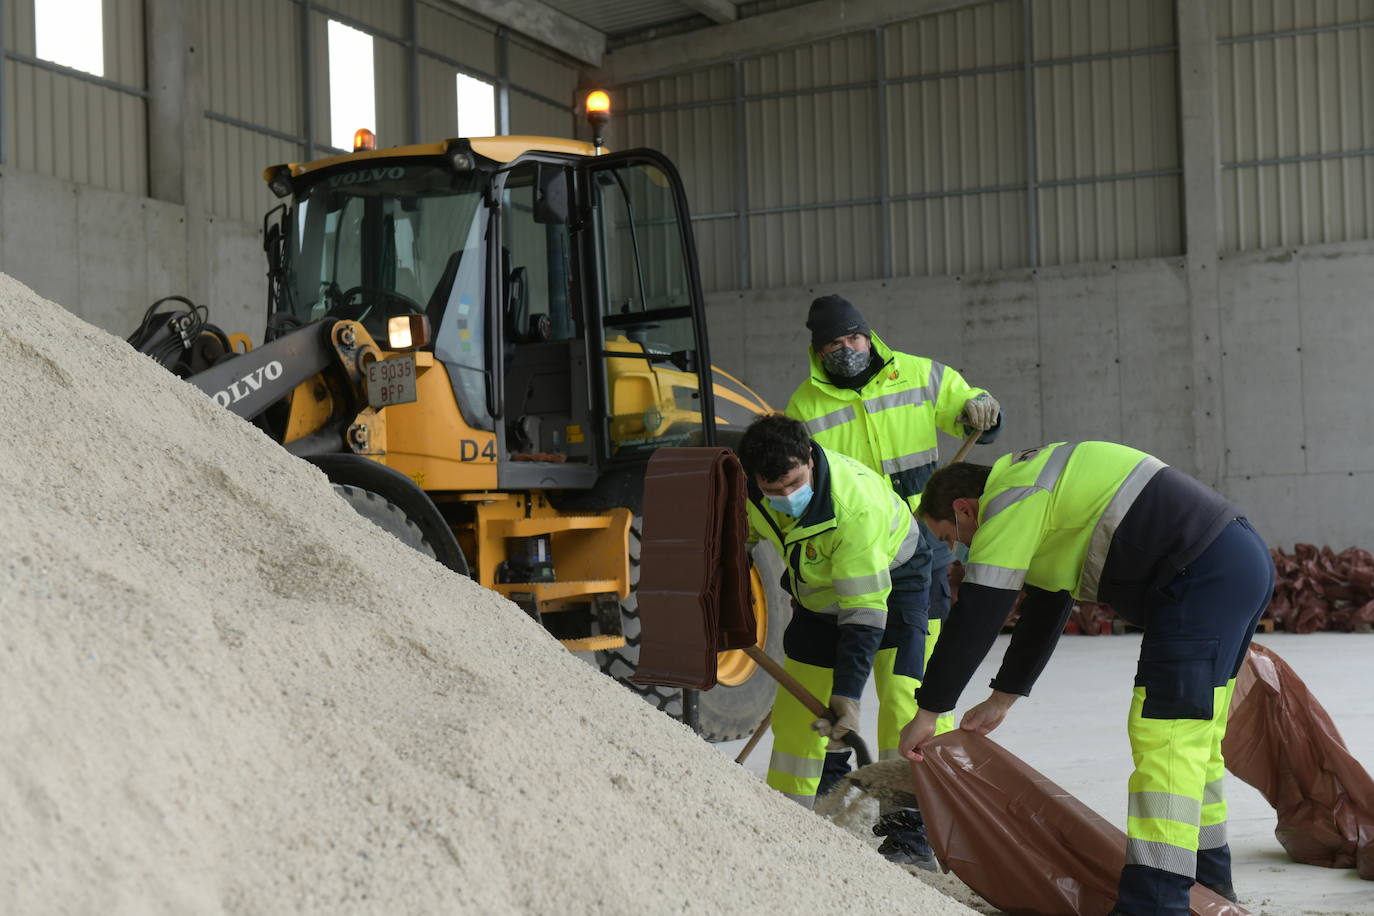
<point x="694" y="596"/>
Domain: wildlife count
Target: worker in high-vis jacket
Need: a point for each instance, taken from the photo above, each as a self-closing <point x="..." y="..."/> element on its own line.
<point x="882" y="408"/>
<point x="849" y="547"/>
<point x="1097" y="521"/>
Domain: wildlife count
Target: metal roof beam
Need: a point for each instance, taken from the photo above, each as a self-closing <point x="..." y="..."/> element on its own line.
<point x="743" y="37"/>
<point x="542" y="23"/>
<point x="720" y="11"/>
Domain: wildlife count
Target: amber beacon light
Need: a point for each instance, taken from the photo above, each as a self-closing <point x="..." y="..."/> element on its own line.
<point x="598" y="114"/>
<point x="364" y="139"/>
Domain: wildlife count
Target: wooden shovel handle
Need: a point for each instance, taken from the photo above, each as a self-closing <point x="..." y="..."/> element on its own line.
<point x="809" y="700"/>
<point x="967" y="446"/>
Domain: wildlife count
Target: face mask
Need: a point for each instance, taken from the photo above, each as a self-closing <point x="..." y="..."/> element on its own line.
<point x="959" y="548"/>
<point x="794" y="503"/>
<point x="844" y="362"/>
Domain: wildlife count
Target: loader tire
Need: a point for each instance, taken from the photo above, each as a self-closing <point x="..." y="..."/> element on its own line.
<point x="385" y="515"/>
<point x="725" y="712"/>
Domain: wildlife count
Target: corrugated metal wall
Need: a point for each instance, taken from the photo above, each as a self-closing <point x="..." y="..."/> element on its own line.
<point x="904" y="150"/>
<point x="1296" y="109"/>
<point x="60" y="124"/>
<point x="257" y="104"/>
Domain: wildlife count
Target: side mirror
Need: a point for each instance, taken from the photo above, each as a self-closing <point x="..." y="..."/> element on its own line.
<point x="551" y="196"/>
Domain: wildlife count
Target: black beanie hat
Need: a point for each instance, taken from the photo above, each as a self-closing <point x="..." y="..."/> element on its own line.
<point x="834" y="316"/>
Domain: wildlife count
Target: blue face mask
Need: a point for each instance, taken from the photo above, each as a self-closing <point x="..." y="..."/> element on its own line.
<point x="794" y="503"/>
<point x="959" y="548"/>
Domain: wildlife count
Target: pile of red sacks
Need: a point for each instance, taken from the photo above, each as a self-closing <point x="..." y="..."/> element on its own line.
<point x="1317" y="589"/>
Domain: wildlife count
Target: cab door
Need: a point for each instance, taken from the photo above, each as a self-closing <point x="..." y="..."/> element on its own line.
<point x="645" y="325"/>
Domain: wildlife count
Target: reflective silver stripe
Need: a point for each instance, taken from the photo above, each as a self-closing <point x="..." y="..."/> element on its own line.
<point x="1178" y="808"/>
<point x="994" y="576"/>
<point x="1163" y="856"/>
<point x="1049" y="475"/>
<point x="863" y="616"/>
<point x="855" y="586"/>
<point x="898" y="399"/>
<point x="806" y="591"/>
<point x="910" y="544"/>
<point x="937" y="378"/>
<point x="792" y="765"/>
<point x="806" y="801"/>
<point x="1211" y="836"/>
<point x="1116" y="510"/>
<point x="907" y="462"/>
<point x="1007" y="498"/>
<point x="830" y="420"/>
<point x="1214" y="792"/>
<point x="1054" y="466"/>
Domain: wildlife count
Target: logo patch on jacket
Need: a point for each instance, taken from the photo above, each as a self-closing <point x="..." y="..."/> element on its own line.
<point x="810" y="551"/>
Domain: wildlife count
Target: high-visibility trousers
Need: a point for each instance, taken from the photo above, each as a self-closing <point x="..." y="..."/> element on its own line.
<point x="798" y="751"/>
<point x="1197" y="629"/>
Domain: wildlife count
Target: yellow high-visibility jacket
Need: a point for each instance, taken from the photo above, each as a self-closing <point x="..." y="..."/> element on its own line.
<point x="889" y="424"/>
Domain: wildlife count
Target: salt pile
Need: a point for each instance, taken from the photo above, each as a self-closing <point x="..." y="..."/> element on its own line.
<point x="222" y="691"/>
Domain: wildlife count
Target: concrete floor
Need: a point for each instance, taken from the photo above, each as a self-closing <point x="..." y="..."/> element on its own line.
<point x="1073" y="730"/>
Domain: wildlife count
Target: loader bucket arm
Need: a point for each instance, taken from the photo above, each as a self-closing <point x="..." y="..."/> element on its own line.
<point x="248" y="384"/>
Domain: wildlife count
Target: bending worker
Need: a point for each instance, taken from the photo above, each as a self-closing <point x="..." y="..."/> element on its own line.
<point x="849" y="547"/>
<point x="1103" y="522"/>
<point x="882" y="408"/>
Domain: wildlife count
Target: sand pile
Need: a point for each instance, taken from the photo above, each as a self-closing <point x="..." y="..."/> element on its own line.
<point x="221" y="690"/>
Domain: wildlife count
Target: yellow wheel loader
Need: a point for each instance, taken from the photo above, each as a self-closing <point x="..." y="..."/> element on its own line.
<point x="481" y="342"/>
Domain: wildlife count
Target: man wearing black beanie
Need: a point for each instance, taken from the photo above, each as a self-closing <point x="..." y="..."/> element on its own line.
<point x="883" y="407"/>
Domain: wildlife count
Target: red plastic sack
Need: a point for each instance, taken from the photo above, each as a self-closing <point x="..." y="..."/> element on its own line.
<point x="1280" y="740"/>
<point x="1021" y="842"/>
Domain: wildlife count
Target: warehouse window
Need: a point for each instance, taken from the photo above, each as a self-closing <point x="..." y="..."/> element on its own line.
<point x="69" y="32"/>
<point x="352" y="96"/>
<point x="476" y="107"/>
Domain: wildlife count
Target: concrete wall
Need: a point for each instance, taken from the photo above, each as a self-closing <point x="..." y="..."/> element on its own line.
<point x="106" y="255"/>
<point x="1102" y="351"/>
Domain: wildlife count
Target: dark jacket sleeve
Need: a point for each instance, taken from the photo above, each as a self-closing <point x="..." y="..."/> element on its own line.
<point x="854" y="651"/>
<point x="968" y="633"/>
<point x="1043" y="615"/>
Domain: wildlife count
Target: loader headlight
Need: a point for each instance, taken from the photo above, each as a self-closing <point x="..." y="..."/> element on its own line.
<point x="460" y="156"/>
<point x="407" y="332"/>
<point x="280" y="182"/>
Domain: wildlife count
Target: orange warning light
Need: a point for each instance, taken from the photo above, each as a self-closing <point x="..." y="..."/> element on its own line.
<point x="364" y="139"/>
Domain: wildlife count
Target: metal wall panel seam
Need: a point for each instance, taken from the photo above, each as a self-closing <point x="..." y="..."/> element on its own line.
<point x="889" y="81"/>
<point x="256" y="128"/>
<point x="502" y="81"/>
<point x="4" y="86"/>
<point x="1294" y="33"/>
<point x="307" y="79"/>
<point x="413" y="60"/>
<point x="81" y="75"/>
<point x="1290" y="160"/>
<point x="741" y="177"/>
<point x="1032" y="210"/>
<point x="884" y="153"/>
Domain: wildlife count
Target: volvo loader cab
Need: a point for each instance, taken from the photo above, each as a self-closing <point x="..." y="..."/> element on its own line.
<point x="521" y="324"/>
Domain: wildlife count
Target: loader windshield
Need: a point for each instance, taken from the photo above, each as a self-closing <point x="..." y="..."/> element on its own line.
<point x="384" y="238"/>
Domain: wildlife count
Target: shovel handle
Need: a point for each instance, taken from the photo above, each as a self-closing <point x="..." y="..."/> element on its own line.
<point x="967" y="446"/>
<point x="808" y="699"/>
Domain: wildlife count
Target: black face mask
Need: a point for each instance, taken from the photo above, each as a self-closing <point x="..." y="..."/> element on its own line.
<point x="844" y="362"/>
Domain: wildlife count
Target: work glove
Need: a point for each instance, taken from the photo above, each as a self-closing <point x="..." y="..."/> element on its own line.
<point x="846" y="710"/>
<point x="980" y="412"/>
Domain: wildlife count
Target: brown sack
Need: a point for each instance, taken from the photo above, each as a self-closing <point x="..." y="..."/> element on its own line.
<point x="1020" y="841"/>
<point x="1281" y="741"/>
<point x="694" y="567"/>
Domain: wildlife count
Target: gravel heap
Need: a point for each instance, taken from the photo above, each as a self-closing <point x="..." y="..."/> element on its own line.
<point x="223" y="691"/>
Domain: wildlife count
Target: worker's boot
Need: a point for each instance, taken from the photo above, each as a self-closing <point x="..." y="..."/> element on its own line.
<point x="1225" y="890"/>
<point x="905" y="840"/>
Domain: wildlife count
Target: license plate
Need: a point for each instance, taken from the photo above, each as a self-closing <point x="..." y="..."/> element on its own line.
<point x="391" y="381"/>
